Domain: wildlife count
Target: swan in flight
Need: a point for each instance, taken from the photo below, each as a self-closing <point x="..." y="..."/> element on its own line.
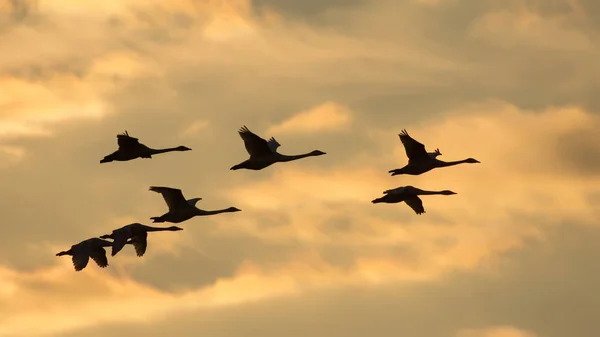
<point x="419" y="161"/>
<point x="409" y="195"/>
<point x="138" y="235"/>
<point x="181" y="209"/>
<point x="264" y="153"/>
<point x="130" y="148"/>
<point x="90" y="248"/>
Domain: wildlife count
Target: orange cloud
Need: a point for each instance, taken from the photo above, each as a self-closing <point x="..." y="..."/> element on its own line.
<point x="196" y="127"/>
<point x="519" y="187"/>
<point x="502" y="331"/>
<point x="93" y="297"/>
<point x="10" y="155"/>
<point x="328" y="116"/>
<point x="526" y="28"/>
<point x="60" y="98"/>
<point x="63" y="97"/>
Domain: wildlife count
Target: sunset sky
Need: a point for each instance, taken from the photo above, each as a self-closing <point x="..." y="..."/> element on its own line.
<point x="512" y="83"/>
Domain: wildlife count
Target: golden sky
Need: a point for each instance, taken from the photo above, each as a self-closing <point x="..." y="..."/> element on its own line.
<point x="513" y="83"/>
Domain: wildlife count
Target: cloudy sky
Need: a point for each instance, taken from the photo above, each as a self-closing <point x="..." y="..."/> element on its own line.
<point x="512" y="83"/>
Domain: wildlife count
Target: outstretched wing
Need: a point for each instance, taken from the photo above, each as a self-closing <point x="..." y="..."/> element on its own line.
<point x="396" y="190"/>
<point x="173" y="196"/>
<point x="140" y="242"/>
<point x="125" y="141"/>
<point x="255" y="145"/>
<point x="193" y="201"/>
<point x="408" y="190"/>
<point x="98" y="254"/>
<point x="434" y="154"/>
<point x="415" y="203"/>
<point x="273" y="144"/>
<point x="414" y="150"/>
<point x="120" y="237"/>
<point x="80" y="261"/>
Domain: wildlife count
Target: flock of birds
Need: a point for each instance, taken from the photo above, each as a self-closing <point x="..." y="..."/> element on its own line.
<point x="263" y="153"/>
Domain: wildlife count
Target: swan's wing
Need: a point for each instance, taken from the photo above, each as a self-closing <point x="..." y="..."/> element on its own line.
<point x="120" y="238"/>
<point x="125" y="141"/>
<point x="396" y="190"/>
<point x="193" y="201"/>
<point x="414" y="150"/>
<point x="255" y="145"/>
<point x="273" y="144"/>
<point x="173" y="196"/>
<point x="434" y="154"/>
<point x="415" y="203"/>
<point x="98" y="254"/>
<point x="80" y="260"/>
<point x="140" y="242"/>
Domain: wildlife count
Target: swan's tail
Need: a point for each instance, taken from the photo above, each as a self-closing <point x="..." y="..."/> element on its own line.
<point x="376" y="201"/>
<point x="156" y="219"/>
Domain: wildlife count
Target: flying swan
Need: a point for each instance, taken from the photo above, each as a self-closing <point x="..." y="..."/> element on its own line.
<point x="264" y="153"/>
<point x="419" y="161"/>
<point x="181" y="209"/>
<point x="130" y="148"/>
<point x="409" y="195"/>
<point x="138" y="235"/>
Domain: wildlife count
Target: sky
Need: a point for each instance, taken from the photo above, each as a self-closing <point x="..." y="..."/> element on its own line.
<point x="511" y="83"/>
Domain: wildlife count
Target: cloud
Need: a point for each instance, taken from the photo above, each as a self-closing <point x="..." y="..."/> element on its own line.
<point x="496" y="332"/>
<point x="23" y="115"/>
<point x="195" y="127"/>
<point x="514" y="292"/>
<point x="76" y="300"/>
<point x="328" y="116"/>
<point x="309" y="249"/>
<point x="500" y="203"/>
<point x="525" y="28"/>
<point x="61" y="97"/>
<point x="10" y="155"/>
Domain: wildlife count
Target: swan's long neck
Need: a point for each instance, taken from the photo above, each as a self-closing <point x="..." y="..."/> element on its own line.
<point x="430" y="192"/>
<point x="212" y="212"/>
<point x="65" y="252"/>
<point x="285" y="158"/>
<point x="159" y="151"/>
<point x="158" y="229"/>
<point x="441" y="163"/>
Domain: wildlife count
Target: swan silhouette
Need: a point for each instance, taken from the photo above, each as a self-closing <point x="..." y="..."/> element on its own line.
<point x="264" y="153"/>
<point x="419" y="161"/>
<point x="409" y="195"/>
<point x="130" y="148"/>
<point x="181" y="209"/>
<point x="138" y="235"/>
<point x="83" y="251"/>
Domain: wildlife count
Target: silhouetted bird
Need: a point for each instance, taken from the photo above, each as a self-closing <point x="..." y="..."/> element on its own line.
<point x="130" y="148"/>
<point x="409" y="195"/>
<point x="181" y="209"/>
<point x="264" y="153"/>
<point x="419" y="161"/>
<point x="138" y="234"/>
<point x="90" y="248"/>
